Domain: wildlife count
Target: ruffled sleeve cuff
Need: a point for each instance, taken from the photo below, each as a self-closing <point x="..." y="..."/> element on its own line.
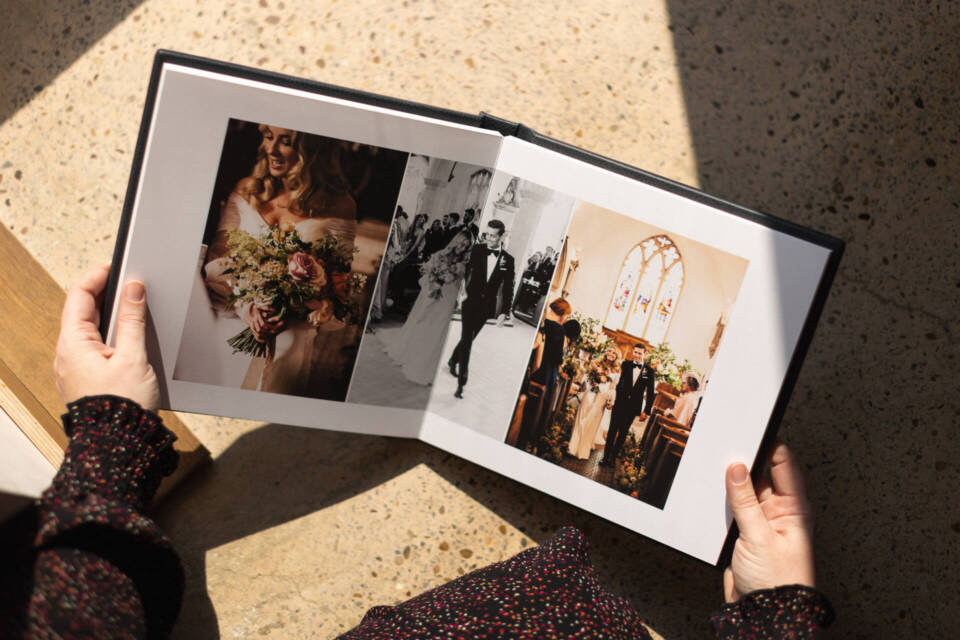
<point x="792" y="611"/>
<point x="117" y="450"/>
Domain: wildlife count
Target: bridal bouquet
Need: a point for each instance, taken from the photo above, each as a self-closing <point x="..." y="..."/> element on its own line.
<point x="442" y="268"/>
<point x="306" y="280"/>
<point x="598" y="372"/>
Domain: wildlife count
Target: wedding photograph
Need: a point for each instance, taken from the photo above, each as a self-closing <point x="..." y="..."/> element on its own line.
<point x="622" y="359"/>
<point x="296" y="230"/>
<point x="430" y="242"/>
<point x="489" y="335"/>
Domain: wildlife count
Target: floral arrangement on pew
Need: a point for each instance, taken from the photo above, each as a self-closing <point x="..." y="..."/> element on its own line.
<point x="554" y="442"/>
<point x="670" y="369"/>
<point x="629" y="474"/>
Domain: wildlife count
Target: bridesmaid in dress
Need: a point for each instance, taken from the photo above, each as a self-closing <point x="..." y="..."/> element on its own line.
<point x="296" y="181"/>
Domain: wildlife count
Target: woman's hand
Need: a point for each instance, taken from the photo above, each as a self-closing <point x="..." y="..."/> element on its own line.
<point x="775" y="546"/>
<point x="84" y="365"/>
<point x="263" y="323"/>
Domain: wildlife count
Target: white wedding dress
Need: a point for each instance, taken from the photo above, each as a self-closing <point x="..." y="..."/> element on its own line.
<point x="305" y="362"/>
<point x="589" y="418"/>
<point x="417" y="344"/>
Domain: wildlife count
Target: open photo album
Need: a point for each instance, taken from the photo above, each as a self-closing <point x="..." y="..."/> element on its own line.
<point x="329" y="258"/>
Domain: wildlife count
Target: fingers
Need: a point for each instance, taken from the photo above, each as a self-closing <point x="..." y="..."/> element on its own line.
<point x="764" y="490"/>
<point x="743" y="502"/>
<point x="786" y="476"/>
<point x="80" y="310"/>
<point x="729" y="586"/>
<point x="131" y="320"/>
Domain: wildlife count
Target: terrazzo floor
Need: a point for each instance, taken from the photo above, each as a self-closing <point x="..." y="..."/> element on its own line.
<point x="839" y="116"/>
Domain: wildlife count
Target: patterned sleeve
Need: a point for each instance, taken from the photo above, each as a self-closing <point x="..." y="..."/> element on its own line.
<point x="793" y="611"/>
<point x="91" y="565"/>
<point x="550" y="591"/>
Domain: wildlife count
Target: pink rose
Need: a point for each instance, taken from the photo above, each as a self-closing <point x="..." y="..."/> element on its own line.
<point x="302" y="266"/>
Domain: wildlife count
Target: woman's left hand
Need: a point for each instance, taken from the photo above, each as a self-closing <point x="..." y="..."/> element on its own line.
<point x="84" y="365"/>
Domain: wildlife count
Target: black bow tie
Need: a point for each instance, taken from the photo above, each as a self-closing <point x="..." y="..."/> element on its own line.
<point x="493" y="252"/>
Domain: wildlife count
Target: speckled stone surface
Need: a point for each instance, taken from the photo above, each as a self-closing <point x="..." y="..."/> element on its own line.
<point x="840" y="116"/>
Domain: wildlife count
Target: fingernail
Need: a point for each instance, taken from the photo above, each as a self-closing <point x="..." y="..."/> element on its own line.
<point x="135" y="291"/>
<point x="739" y="474"/>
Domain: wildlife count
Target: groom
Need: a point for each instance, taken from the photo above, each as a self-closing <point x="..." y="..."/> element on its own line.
<point x="635" y="391"/>
<point x="489" y="283"/>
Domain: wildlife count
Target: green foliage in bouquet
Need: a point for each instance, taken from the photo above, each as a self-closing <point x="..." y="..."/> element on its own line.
<point x="555" y="441"/>
<point x="593" y="340"/>
<point x="598" y="371"/>
<point x="629" y="474"/>
<point x="671" y="368"/>
<point x="308" y="280"/>
<point x="571" y="366"/>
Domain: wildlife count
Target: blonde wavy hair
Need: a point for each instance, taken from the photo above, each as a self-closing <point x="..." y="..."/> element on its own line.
<point x="315" y="178"/>
<point x="619" y="359"/>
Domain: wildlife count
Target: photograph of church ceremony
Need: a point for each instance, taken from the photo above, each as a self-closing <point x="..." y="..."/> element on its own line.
<point x="489" y="335"/>
<point x="433" y="233"/>
<point x="622" y="360"/>
<point x="295" y="234"/>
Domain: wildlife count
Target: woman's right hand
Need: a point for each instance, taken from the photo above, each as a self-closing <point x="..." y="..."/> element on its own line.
<point x="775" y="545"/>
<point x="263" y="323"/>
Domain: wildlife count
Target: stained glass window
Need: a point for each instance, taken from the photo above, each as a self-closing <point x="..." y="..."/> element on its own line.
<point x="648" y="286"/>
<point x="626" y="287"/>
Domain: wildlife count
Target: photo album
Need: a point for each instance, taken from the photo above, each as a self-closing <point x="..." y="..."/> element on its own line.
<point x="329" y="258"/>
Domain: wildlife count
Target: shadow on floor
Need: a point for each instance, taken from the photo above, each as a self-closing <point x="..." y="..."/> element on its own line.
<point x="41" y="38"/>
<point x="842" y="117"/>
<point x="276" y="474"/>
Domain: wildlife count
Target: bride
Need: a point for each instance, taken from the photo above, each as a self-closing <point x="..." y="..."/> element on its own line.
<point x="593" y="406"/>
<point x="417" y="344"/>
<point x="295" y="182"/>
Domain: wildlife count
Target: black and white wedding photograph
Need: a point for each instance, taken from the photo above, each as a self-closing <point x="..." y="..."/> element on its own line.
<point x="295" y="234"/>
<point x="433" y="233"/>
<point x="489" y="336"/>
<point x="622" y="360"/>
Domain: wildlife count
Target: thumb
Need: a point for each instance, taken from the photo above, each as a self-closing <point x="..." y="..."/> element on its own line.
<point x="743" y="502"/>
<point x="131" y="319"/>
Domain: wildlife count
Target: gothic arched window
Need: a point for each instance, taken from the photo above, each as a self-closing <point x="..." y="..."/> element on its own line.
<point x="648" y="286"/>
<point x="477" y="190"/>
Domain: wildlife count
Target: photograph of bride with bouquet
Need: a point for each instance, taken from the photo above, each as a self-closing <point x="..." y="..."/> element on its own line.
<point x="622" y="360"/>
<point x="295" y="233"/>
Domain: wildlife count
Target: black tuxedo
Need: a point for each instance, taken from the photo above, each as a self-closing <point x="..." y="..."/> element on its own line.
<point x="486" y="299"/>
<point x="635" y="392"/>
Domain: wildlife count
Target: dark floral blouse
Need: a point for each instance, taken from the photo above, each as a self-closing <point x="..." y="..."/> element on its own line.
<point x="85" y="562"/>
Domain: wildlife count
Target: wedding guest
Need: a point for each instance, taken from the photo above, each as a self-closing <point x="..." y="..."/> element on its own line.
<point x="86" y="562"/>
<point x="434" y="240"/>
<point x="688" y="401"/>
<point x="416" y="235"/>
<point x="545" y="268"/>
<point x="392" y="254"/>
<point x="452" y="227"/>
<point x="551" y="343"/>
<point x="528" y="292"/>
<point x="405" y="268"/>
<point x="468" y="215"/>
